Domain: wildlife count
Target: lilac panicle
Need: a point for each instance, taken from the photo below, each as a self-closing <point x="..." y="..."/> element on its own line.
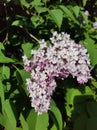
<point x="63" y="57"/>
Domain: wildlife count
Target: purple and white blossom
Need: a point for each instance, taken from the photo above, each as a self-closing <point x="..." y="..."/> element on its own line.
<point x="95" y="25"/>
<point x="63" y="57"/>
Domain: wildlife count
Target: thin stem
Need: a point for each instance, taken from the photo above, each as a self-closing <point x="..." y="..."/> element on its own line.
<point x="30" y="35"/>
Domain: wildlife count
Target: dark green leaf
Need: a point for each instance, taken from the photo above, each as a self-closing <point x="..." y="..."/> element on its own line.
<point x="92" y="109"/>
<point x="21" y="76"/>
<point x="92" y="124"/>
<point x="80" y="123"/>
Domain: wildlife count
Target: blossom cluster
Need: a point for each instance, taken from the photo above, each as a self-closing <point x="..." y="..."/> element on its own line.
<point x="63" y="57"/>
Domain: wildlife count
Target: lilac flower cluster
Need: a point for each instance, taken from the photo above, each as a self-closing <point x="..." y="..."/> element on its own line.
<point x="63" y="57"/>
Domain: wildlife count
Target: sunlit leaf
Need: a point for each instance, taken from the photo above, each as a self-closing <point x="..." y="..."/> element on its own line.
<point x="9" y="116"/>
<point x="25" y="3"/>
<point x="6" y="72"/>
<point x="54" y="127"/>
<point x="56" y="117"/>
<point x="2" y="95"/>
<point x="16" y="23"/>
<point x="37" y="122"/>
<point x="57" y="16"/>
<point x="70" y="97"/>
<point x="3" y="58"/>
<point x="84" y="2"/>
<point x="37" y="20"/>
<point x="76" y="10"/>
<point x="92" y="50"/>
<point x="41" y="9"/>
<point x="26" y="47"/>
<point x="23" y="123"/>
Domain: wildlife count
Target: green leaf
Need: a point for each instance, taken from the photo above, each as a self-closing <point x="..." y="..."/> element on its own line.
<point x="23" y="122"/>
<point x="92" y="49"/>
<point x="94" y="82"/>
<point x="85" y="18"/>
<point x="37" y="3"/>
<point x="2" y="97"/>
<point x="57" y="16"/>
<point x="45" y="1"/>
<point x="37" y="122"/>
<point x="89" y="91"/>
<point x="92" y="109"/>
<point x="10" y="120"/>
<point x="76" y="10"/>
<point x="19" y="129"/>
<point x="41" y="9"/>
<point x="25" y="3"/>
<point x="57" y="118"/>
<point x="80" y="106"/>
<point x="70" y="96"/>
<point x="3" y="58"/>
<point x="84" y="2"/>
<point x="5" y="72"/>
<point x="68" y="13"/>
<point x="21" y="76"/>
<point x="80" y="123"/>
<point x="54" y="127"/>
<point x="27" y="49"/>
<point x="1" y="46"/>
<point x="2" y="120"/>
<point x="37" y="20"/>
<point x="16" y="23"/>
<point x="92" y="124"/>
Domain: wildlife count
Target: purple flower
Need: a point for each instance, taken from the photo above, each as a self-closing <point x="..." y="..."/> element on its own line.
<point x="87" y="13"/>
<point x="62" y="58"/>
<point x="95" y="25"/>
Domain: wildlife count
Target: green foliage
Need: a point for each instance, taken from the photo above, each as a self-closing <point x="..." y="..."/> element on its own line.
<point x="37" y="122"/>
<point x="56" y="117"/>
<point x="92" y="49"/>
<point x="22" y="24"/>
<point x="56" y="14"/>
